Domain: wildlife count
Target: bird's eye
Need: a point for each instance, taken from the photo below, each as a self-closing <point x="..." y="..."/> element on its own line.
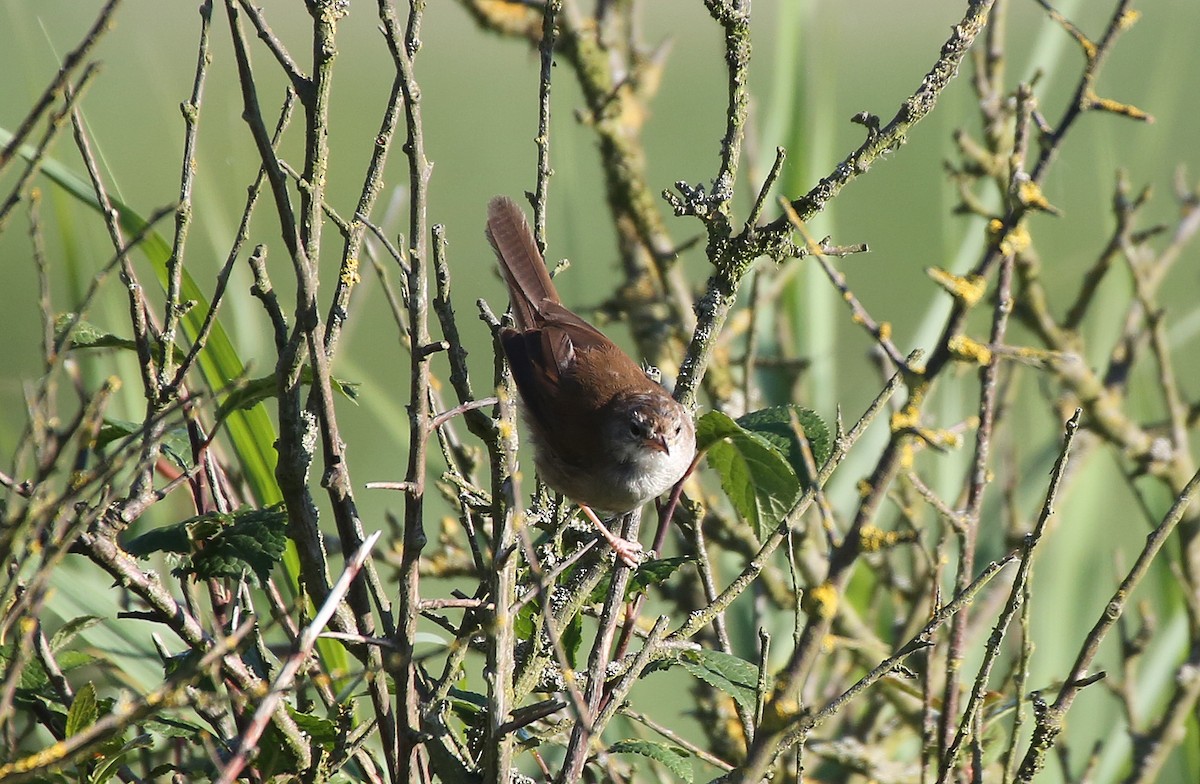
<point x="635" y="429"/>
<point x="678" y="428"/>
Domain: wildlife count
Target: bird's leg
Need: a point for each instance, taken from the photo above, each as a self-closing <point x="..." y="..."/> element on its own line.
<point x="629" y="552"/>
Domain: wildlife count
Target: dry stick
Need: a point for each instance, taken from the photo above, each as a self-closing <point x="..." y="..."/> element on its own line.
<point x="70" y="62"/>
<point x="546" y="53"/>
<point x="551" y="628"/>
<point x="243" y="232"/>
<point x="403" y="47"/>
<point x="336" y="478"/>
<point x="34" y="159"/>
<point x="248" y="740"/>
<point x="294" y="456"/>
<point x="139" y="315"/>
<point x="971" y="714"/>
<point x="502" y="642"/>
<point x="1050" y="717"/>
<point x="583" y="732"/>
<point x="173" y="307"/>
<point x="373" y="180"/>
<point x="623" y="685"/>
<point x="302" y="241"/>
<point x="968" y="531"/>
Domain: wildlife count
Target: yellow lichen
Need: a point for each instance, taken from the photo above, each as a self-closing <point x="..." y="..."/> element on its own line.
<point x="970" y="350"/>
<point x="1016" y="241"/>
<point x="967" y="289"/>
<point x="350" y="276"/>
<point x="906" y="418"/>
<point x="1129" y="19"/>
<point x="1030" y="194"/>
<point x="872" y="539"/>
<point x="822" y="600"/>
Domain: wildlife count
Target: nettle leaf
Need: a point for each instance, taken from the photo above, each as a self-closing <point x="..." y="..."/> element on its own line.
<point x="648" y="574"/>
<point x="323" y="731"/>
<point x="256" y="390"/>
<point x="221" y="545"/>
<point x="168" y="727"/>
<point x="676" y="760"/>
<point x="779" y="426"/>
<point x="754" y="473"/>
<point x="87" y="335"/>
<point x="84" y="711"/>
<point x="68" y="630"/>
<point x="175" y="441"/>
<point x="736" y="677"/>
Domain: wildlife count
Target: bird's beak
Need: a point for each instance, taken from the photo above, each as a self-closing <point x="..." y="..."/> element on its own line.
<point x="658" y="442"/>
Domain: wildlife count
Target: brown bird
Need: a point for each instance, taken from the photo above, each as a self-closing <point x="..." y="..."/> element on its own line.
<point x="604" y="435"/>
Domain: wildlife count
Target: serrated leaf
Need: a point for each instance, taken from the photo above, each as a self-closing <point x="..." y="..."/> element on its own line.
<point x="713" y="427"/>
<point x="779" y="424"/>
<point x="116" y="757"/>
<point x="322" y="730"/>
<point x="83" y="712"/>
<point x="735" y="676"/>
<point x="167" y="539"/>
<point x="754" y="474"/>
<point x="676" y="760"/>
<point x="256" y="390"/>
<point x="221" y="545"/>
<point x="73" y="660"/>
<point x="647" y="574"/>
<point x="175" y="442"/>
<point x="169" y="727"/>
<point x="68" y="630"/>
<point x="87" y="335"/>
<point x="254" y="543"/>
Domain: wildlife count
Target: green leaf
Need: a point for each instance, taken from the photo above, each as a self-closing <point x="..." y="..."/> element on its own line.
<point x="254" y="391"/>
<point x="779" y="425"/>
<point x="736" y="677"/>
<point x="68" y="630"/>
<point x="116" y="758"/>
<point x="221" y="545"/>
<point x="649" y="573"/>
<point x="713" y="427"/>
<point x="83" y="712"/>
<point x="175" y="442"/>
<point x="754" y="474"/>
<point x="676" y="760"/>
<point x="323" y="731"/>
<point x="169" y="727"/>
<point x="85" y="334"/>
<point x="572" y="639"/>
<point x="523" y="623"/>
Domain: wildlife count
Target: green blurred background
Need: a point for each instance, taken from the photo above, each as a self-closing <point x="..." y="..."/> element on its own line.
<point x="815" y="64"/>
